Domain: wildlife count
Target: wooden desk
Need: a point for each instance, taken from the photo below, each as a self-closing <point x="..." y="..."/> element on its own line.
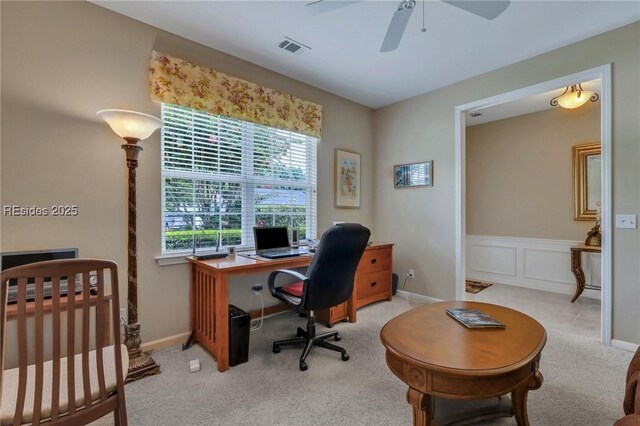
<point x="576" y="267"/>
<point x="47" y="307"/>
<point x="209" y="285"/>
<point x="438" y="357"/>
<point x="372" y="284"/>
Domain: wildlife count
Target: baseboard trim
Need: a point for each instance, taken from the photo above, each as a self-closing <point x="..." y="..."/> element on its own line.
<point x="164" y="342"/>
<point x="415" y="296"/>
<point x="627" y="346"/>
<point x="182" y="337"/>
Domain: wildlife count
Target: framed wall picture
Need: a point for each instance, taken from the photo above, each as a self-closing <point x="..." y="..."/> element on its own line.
<point x="347" y="179"/>
<point x="413" y="175"/>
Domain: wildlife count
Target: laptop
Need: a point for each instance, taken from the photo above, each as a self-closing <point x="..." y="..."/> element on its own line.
<point x="272" y="242"/>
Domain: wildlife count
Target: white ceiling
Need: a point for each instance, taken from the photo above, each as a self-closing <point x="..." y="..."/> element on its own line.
<point x="345" y="58"/>
<point x="523" y="106"/>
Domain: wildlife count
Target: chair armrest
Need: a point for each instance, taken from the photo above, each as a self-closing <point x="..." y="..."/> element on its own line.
<point x="272" y="279"/>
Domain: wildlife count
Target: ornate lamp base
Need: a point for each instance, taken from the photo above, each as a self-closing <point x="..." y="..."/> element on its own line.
<point x="141" y="366"/>
<point x="140" y="363"/>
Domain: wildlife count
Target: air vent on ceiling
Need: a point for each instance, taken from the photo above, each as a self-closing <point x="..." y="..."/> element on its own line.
<point x="475" y="114"/>
<point x="292" y="46"/>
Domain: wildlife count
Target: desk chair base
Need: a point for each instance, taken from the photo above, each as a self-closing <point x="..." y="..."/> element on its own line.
<point x="308" y="339"/>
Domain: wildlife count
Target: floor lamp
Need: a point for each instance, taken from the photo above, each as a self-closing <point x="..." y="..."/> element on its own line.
<point x="133" y="127"/>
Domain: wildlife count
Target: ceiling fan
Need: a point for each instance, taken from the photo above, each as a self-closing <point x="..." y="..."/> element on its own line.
<point x="485" y="9"/>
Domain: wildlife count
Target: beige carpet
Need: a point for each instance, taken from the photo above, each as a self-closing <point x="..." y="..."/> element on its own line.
<point x="583" y="385"/>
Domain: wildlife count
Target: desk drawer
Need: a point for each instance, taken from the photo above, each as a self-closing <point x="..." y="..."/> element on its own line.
<point x="375" y="260"/>
<point x="333" y="315"/>
<point x="372" y="285"/>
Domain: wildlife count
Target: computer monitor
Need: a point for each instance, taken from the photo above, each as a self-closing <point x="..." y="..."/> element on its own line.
<point x="19" y="258"/>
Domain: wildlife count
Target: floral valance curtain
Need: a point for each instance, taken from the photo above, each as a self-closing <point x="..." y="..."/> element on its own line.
<point x="176" y="81"/>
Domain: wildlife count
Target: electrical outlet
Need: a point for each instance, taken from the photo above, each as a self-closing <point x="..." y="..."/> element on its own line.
<point x="411" y="274"/>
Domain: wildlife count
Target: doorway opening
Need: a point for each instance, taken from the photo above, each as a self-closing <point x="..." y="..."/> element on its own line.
<point x="601" y="74"/>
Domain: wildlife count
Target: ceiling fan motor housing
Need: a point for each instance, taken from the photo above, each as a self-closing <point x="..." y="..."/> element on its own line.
<point x="407" y="4"/>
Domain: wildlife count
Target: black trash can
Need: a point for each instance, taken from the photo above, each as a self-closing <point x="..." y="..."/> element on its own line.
<point x="394" y="284"/>
<point x="239" y="323"/>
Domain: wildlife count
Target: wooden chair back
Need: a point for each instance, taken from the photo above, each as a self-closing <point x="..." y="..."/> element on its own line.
<point x="63" y="345"/>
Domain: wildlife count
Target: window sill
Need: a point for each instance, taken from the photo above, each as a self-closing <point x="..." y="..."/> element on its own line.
<point x="172" y="259"/>
<point x="181" y="257"/>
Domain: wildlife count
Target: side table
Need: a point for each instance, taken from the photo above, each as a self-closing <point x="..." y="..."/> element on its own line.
<point x="576" y="268"/>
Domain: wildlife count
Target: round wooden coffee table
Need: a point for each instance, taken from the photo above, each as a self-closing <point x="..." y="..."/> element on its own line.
<point x="440" y="358"/>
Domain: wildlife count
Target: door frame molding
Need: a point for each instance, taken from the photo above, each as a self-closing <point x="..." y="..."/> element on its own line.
<point x="603" y="73"/>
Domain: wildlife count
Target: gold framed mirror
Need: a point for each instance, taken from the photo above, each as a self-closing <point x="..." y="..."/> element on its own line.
<point x="587" y="190"/>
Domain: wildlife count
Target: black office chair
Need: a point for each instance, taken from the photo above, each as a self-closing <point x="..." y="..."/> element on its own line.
<point x="329" y="282"/>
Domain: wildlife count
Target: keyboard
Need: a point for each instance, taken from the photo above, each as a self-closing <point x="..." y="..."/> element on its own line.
<point x="278" y="254"/>
<point x="47" y="291"/>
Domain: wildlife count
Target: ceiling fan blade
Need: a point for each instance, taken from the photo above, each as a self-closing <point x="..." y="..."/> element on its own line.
<point x="397" y="26"/>
<point x="323" y="6"/>
<point x="484" y="9"/>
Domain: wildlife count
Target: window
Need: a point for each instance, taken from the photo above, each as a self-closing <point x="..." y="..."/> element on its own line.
<point x="223" y="176"/>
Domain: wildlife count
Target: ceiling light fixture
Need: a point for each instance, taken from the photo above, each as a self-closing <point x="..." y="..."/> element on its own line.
<point x="574" y="96"/>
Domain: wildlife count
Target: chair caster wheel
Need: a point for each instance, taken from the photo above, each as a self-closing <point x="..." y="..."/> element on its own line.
<point x="303" y="366"/>
<point x="299" y="332"/>
<point x="337" y="338"/>
<point x="329" y="325"/>
<point x="345" y="356"/>
<point x="276" y="349"/>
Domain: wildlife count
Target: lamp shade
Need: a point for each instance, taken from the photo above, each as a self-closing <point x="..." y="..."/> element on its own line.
<point x="575" y="99"/>
<point x="130" y="124"/>
<point x="574" y="96"/>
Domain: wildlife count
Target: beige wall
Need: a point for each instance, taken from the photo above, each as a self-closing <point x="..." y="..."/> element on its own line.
<point x="421" y="221"/>
<point x="62" y="62"/>
<point x="519" y="173"/>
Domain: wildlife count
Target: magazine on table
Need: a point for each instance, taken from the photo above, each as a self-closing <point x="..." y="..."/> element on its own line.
<point x="472" y="318"/>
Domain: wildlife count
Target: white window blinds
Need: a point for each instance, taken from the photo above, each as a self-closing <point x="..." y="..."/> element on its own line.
<point x="222" y="176"/>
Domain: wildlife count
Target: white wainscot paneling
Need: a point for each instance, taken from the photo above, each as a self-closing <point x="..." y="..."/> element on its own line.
<point x="529" y="262"/>
<point x="547" y="265"/>
<point x="492" y="259"/>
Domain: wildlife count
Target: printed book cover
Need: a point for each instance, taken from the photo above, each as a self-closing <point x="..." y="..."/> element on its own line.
<point x="474" y="319"/>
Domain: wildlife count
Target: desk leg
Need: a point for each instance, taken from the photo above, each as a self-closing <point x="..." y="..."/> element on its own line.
<point x="422" y="405"/>
<point x="576" y="268"/>
<point x="222" y="320"/>
<point x="192" y="307"/>
<point x="192" y="298"/>
<point x="351" y="308"/>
